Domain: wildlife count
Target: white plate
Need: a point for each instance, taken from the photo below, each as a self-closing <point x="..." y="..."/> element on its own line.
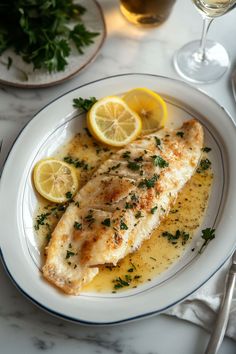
<point x="53" y="126"/>
<point x="23" y="75"/>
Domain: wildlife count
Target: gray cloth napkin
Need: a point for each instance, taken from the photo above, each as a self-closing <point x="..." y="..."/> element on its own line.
<point x="202" y="307"/>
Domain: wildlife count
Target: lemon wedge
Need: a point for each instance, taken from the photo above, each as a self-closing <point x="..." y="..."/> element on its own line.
<point x="55" y="180"/>
<point x="149" y="106"/>
<point x="112" y="122"/>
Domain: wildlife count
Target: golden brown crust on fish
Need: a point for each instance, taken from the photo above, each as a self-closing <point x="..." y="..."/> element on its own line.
<point x="114" y="215"/>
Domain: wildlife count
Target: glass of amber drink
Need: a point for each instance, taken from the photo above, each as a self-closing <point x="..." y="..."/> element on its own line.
<point x="146" y="13"/>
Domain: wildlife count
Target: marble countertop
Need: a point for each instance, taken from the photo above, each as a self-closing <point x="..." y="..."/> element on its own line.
<point x="24" y="328"/>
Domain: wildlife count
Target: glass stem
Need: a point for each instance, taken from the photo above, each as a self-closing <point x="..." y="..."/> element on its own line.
<point x="202" y="50"/>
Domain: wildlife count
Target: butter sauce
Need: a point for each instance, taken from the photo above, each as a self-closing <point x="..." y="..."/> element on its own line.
<point x="156" y="254"/>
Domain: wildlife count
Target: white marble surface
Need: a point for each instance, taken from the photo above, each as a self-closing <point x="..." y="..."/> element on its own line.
<point x="23" y="327"/>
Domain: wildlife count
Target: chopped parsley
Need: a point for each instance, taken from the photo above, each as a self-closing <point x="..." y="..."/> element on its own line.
<point x="204" y="165"/>
<point x="123" y="226"/>
<point x="126" y="155"/>
<point x="113" y="168"/>
<point x="132" y="268"/>
<point x="208" y="234"/>
<point x="76" y="162"/>
<point x="77" y="225"/>
<point x="40" y="220"/>
<point x="206" y="149"/>
<point x="134" y="198"/>
<point x="134" y="166"/>
<point x="106" y="222"/>
<point x="148" y="183"/>
<point x="89" y="218"/>
<point x="84" y="103"/>
<point x="139" y="159"/>
<point x="173" y="238"/>
<point x="120" y="283"/>
<point x="157" y="141"/>
<point x="69" y="254"/>
<point x="159" y="161"/>
<point x="138" y="215"/>
<point x="154" y="209"/>
<point x="181" y="134"/>
<point x="129" y="206"/>
<point x="69" y="195"/>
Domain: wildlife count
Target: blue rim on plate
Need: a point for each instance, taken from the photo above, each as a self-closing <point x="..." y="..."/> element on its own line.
<point x="127" y="80"/>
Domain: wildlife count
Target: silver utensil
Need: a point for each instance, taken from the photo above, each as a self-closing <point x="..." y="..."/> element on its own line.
<point x="223" y="315"/>
<point x="233" y="81"/>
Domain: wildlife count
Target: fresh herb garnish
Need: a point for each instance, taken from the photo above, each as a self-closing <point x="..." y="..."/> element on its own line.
<point x="148" y="183"/>
<point x="132" y="268"/>
<point x="106" y="222"/>
<point x="173" y="238"/>
<point x="208" y="234"/>
<point x="120" y="283"/>
<point x="134" y="198"/>
<point x="134" y="166"/>
<point x="206" y="149"/>
<point x="77" y="225"/>
<point x="76" y="162"/>
<point x="159" y="161"/>
<point x="42" y="32"/>
<point x="181" y="134"/>
<point x="69" y="254"/>
<point x="157" y="141"/>
<point x="40" y="220"/>
<point x="154" y="259"/>
<point x="89" y="218"/>
<point x="69" y="195"/>
<point x="139" y="159"/>
<point x="154" y="209"/>
<point x="129" y="206"/>
<point x="84" y="103"/>
<point x="204" y="165"/>
<point x="113" y="168"/>
<point x="123" y="226"/>
<point x="126" y="155"/>
<point x="138" y="215"/>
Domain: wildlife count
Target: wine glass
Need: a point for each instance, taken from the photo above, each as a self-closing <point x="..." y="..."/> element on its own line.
<point x="204" y="61"/>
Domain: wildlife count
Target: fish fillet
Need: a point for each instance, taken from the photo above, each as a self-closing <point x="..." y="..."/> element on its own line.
<point x="124" y="201"/>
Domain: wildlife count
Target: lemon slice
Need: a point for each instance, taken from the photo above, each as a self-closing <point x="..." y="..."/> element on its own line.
<point x="55" y="180"/>
<point x="112" y="122"/>
<point x="149" y="106"/>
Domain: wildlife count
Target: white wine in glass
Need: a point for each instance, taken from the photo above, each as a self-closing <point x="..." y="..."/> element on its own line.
<point x="204" y="61"/>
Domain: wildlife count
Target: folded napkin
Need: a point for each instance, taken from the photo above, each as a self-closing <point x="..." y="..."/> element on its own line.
<point x="202" y="307"/>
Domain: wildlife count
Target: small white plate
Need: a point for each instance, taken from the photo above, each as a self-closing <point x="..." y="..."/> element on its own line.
<point x="22" y="74"/>
<point x="51" y="128"/>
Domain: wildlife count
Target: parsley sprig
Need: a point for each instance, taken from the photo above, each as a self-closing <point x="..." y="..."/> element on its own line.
<point x="84" y="103"/>
<point x="208" y="234"/>
<point x="42" y="32"/>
